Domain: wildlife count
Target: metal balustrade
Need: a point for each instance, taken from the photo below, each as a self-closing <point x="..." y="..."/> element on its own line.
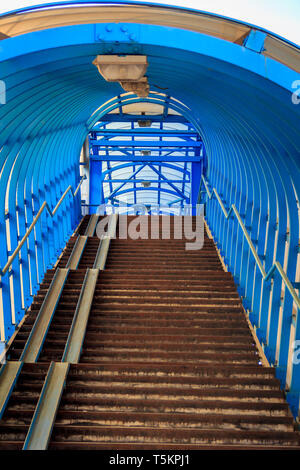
<point x="7" y="320"/>
<point x="276" y="330"/>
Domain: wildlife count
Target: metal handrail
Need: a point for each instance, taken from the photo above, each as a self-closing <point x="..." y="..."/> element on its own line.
<point x="266" y="275"/>
<point x="38" y="215"/>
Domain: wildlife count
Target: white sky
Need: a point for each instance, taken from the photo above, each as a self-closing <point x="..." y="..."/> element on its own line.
<point x="279" y="16"/>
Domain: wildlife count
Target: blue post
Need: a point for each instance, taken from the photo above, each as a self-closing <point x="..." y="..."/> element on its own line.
<point x="96" y="191"/>
<point x="196" y="173"/>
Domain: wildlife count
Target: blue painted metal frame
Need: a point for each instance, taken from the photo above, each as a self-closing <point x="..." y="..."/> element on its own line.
<point x="141" y="159"/>
<point x="106" y="143"/>
<point x="104" y="149"/>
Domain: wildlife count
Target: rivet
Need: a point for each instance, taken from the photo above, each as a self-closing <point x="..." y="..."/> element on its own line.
<point x="108" y="28"/>
<point x="123" y="29"/>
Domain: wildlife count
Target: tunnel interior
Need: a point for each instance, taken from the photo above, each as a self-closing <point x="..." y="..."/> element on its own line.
<point x="231" y="84"/>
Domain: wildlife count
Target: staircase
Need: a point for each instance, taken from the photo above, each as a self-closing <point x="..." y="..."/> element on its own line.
<point x="168" y="360"/>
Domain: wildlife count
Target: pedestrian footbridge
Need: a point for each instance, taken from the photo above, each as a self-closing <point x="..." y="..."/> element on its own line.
<point x="119" y="108"/>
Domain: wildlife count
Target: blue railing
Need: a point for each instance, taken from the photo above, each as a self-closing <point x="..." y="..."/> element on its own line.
<point x="35" y="220"/>
<point x="276" y="324"/>
<point x="12" y="307"/>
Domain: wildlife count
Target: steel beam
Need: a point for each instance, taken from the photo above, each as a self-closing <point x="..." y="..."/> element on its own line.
<point x="137" y="180"/>
<point x="77" y="251"/>
<point x="43" y="320"/>
<point x="145" y="132"/>
<point x="196" y="172"/>
<point x="95" y="186"/>
<point x="144" y="159"/>
<point x="123" y="184"/>
<point x="137" y="117"/>
<point x="146" y="143"/>
<point x="167" y="181"/>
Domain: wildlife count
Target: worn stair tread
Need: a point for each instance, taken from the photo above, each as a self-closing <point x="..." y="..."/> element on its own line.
<point x="120" y="346"/>
<point x="174" y="392"/>
<point x="158" y="434"/>
<point x="111" y="445"/>
<point x="88" y="376"/>
<point x="176" y="418"/>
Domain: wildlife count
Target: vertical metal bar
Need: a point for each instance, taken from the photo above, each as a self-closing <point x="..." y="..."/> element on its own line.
<point x="196" y="178"/>
<point x="95" y="185"/>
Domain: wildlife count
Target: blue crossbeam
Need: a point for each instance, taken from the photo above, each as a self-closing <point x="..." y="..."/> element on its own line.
<point x="142" y="180"/>
<point x="145" y="143"/>
<point x="133" y="190"/>
<point x="142" y="159"/>
<point x="145" y="132"/>
<point x="131" y="177"/>
<point x="135" y="153"/>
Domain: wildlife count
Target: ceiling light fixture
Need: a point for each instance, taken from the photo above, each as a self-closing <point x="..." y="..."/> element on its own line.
<point x="128" y="70"/>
